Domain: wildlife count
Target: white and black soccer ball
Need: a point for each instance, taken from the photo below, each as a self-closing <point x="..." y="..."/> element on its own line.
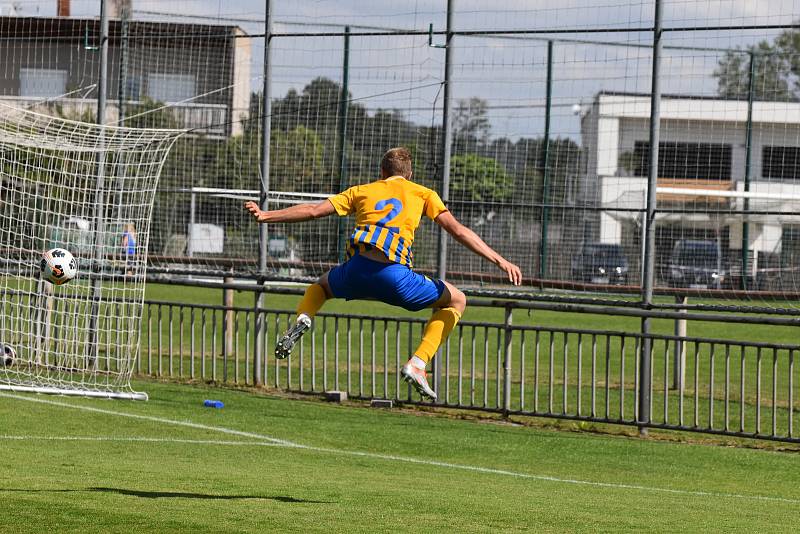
<point x="7" y="355"/>
<point x="59" y="266"/>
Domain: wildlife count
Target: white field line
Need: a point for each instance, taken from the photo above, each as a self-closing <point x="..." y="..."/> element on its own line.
<point x="140" y="439"/>
<point x="189" y="424"/>
<point x="274" y="442"/>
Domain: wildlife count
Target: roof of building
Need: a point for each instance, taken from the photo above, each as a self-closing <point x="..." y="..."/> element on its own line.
<point x="695" y="108"/>
<point x="72" y="29"/>
<point x="675" y="96"/>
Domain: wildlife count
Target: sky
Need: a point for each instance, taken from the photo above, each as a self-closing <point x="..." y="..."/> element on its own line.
<point x="509" y="72"/>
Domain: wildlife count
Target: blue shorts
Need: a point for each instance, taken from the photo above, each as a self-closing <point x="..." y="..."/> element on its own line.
<point x="392" y="283"/>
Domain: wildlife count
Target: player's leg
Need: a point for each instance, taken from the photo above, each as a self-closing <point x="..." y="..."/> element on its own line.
<point x="315" y="296"/>
<point x="448" y="310"/>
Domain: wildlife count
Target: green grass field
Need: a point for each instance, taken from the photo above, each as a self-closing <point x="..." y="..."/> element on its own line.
<point x="267" y="464"/>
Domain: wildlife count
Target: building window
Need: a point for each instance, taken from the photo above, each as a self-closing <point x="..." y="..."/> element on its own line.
<point x="685" y="161"/>
<point x="790" y="249"/>
<point x="42" y="83"/>
<point x="781" y="162"/>
<point x="171" y="87"/>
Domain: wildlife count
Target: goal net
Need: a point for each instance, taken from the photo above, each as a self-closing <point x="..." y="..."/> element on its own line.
<point x="89" y="189"/>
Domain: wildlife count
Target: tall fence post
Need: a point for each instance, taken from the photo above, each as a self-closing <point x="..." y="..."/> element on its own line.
<point x="748" y="154"/>
<point x="102" y="82"/>
<point x="263" y="237"/>
<point x="343" y="107"/>
<point x="507" y="353"/>
<point x="546" y="165"/>
<point x="648" y="276"/>
<point x="122" y="88"/>
<point x="99" y="209"/>
<point x="447" y="143"/>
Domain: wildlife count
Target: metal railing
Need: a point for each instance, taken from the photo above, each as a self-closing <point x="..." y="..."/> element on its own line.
<point x="717" y="386"/>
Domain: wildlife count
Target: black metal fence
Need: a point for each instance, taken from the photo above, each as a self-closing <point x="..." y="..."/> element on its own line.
<point x="717" y="386"/>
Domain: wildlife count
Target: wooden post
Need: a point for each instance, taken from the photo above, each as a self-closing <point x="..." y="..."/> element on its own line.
<point x="227" y="301"/>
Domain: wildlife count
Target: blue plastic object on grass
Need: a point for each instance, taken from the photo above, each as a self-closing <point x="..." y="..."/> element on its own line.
<point x="213" y="403"/>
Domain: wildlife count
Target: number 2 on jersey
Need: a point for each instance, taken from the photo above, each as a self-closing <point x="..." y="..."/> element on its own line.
<point x="397" y="207"/>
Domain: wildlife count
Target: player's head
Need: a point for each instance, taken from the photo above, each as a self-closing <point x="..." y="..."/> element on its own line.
<point x="396" y="162"/>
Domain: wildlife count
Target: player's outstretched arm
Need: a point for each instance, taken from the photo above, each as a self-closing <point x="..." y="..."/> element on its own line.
<point x="472" y="241"/>
<point x="297" y="213"/>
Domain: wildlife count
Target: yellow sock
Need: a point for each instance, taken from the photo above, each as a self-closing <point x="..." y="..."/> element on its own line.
<point x="312" y="301"/>
<point x="436" y="331"/>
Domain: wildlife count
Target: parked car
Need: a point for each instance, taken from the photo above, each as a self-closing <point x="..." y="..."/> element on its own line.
<point x="600" y="263"/>
<point x="696" y="265"/>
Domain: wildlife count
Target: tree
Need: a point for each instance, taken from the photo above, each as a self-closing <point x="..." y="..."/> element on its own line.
<point x="369" y="132"/>
<point x="777" y="67"/>
<point x="478" y="178"/>
<point x="297" y="162"/>
<point x="526" y="162"/>
<point x="470" y="125"/>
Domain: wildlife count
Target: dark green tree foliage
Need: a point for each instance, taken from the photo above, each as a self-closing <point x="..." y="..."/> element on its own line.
<point x="304" y="157"/>
<point x="777" y="70"/>
<point x="297" y="161"/>
<point x="478" y="178"/>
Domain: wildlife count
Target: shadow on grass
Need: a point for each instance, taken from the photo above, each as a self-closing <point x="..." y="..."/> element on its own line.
<point x="171" y="494"/>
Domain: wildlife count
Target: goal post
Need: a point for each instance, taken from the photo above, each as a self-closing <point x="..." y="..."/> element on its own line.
<point x="81" y="338"/>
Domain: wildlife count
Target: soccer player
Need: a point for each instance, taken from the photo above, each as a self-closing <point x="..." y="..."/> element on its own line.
<point x="379" y="258"/>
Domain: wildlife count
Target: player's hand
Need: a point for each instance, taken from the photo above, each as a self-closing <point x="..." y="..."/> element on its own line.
<point x="513" y="272"/>
<point x="254" y="210"/>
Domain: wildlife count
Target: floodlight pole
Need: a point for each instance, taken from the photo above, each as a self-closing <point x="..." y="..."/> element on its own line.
<point x="99" y="210"/>
<point x="447" y="143"/>
<point x="263" y="237"/>
<point x="648" y="278"/>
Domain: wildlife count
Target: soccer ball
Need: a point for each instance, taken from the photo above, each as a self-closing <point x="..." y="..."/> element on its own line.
<point x="7" y="355"/>
<point x="58" y="266"/>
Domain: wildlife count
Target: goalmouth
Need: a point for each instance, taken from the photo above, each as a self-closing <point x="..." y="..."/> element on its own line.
<point x="89" y="189"/>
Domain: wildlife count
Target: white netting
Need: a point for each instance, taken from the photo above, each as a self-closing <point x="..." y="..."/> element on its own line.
<point x="88" y="189"/>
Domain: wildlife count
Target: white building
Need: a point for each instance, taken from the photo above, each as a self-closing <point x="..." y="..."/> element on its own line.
<point x="702" y="167"/>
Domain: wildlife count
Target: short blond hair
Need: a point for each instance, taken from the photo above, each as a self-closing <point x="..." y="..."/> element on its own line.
<point x="397" y="162"/>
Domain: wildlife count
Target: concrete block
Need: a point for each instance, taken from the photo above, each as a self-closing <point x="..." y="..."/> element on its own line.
<point x="381" y="403"/>
<point x="336" y="396"/>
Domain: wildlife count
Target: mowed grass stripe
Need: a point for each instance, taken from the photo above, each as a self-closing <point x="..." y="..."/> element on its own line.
<point x="396" y="458"/>
<point x="268" y="440"/>
<point x="107" y="486"/>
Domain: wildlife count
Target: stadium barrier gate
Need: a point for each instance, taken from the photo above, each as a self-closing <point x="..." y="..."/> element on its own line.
<point x="699" y="384"/>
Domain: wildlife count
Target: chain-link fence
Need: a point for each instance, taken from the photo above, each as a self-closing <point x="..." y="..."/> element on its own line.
<point x="549" y="112"/>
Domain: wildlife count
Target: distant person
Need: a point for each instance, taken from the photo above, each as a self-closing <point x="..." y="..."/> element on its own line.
<point x="128" y="244"/>
<point x="379" y="255"/>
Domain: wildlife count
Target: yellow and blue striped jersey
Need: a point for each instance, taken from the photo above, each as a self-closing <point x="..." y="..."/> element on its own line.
<point x="387" y="213"/>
